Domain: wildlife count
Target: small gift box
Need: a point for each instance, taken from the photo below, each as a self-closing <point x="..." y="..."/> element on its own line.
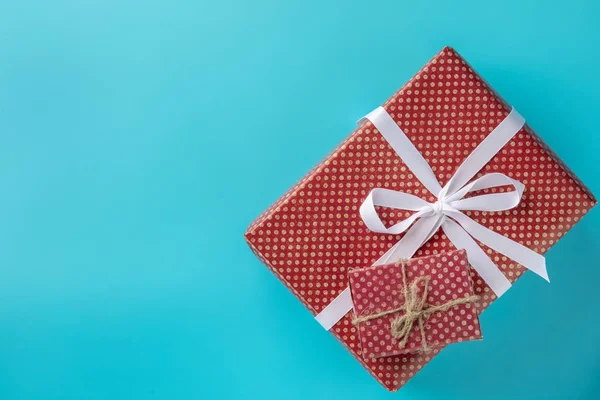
<point x="414" y="305"/>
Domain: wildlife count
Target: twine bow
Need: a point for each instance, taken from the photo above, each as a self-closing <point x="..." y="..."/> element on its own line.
<point x="416" y="310"/>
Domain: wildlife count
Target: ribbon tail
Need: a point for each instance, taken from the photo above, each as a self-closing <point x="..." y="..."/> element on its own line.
<point x="392" y="199"/>
<point x="526" y="257"/>
<point x="485" y="267"/>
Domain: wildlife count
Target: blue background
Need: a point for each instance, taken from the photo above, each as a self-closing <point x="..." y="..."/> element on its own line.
<point x="140" y="138"/>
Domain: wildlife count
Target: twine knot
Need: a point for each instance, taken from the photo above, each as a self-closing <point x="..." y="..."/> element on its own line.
<point x="416" y="310"/>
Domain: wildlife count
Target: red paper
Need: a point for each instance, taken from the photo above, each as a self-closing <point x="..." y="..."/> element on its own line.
<point x="380" y="288"/>
<point x="313" y="234"/>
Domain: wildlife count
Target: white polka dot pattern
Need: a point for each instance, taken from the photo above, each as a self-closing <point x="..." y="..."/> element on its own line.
<point x="378" y="289"/>
<point x="313" y="234"/>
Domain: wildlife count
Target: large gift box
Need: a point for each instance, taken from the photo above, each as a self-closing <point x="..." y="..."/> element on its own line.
<point x="374" y="199"/>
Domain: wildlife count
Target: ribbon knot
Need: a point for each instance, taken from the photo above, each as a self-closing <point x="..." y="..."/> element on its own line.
<point x="438" y="207"/>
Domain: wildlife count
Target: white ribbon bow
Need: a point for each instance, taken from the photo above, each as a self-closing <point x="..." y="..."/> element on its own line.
<point x="446" y="212"/>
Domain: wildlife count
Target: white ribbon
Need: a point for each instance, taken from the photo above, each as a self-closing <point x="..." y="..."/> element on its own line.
<point x="446" y="212"/>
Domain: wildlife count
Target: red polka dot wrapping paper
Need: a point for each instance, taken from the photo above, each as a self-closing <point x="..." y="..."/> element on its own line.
<point x="313" y="234"/>
<point x="378" y="289"/>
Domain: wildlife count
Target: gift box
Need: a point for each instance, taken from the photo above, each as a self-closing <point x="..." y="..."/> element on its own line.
<point x="414" y="305"/>
<point x="315" y="233"/>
